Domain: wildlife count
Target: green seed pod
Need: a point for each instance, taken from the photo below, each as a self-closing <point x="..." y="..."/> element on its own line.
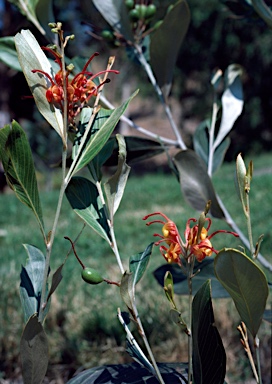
<point x="107" y="35"/>
<point x="134" y="15"/>
<point x="91" y="276"/>
<point x="129" y="4"/>
<point x="150" y="11"/>
<point x="141" y="8"/>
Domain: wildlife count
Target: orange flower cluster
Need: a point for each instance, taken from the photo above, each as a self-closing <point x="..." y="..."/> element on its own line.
<point x="78" y="91"/>
<point x="197" y="242"/>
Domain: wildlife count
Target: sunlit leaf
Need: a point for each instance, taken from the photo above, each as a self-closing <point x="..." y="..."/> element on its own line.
<point x="246" y="284"/>
<point x="31" y="57"/>
<point x="165" y="44"/>
<point x="138" y="264"/>
<point x="232" y="102"/>
<point x="209" y="357"/>
<point x="116" y="14"/>
<point x="99" y="139"/>
<point x="115" y="185"/>
<point x="126" y="289"/>
<point x="8" y="53"/>
<point x="34" y="352"/>
<point x="195" y="182"/>
<point x="16" y="157"/>
<point x="83" y="196"/>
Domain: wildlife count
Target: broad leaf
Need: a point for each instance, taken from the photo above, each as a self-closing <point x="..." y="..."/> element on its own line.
<point x="116" y="14"/>
<point x="138" y="264"/>
<point x="232" y="102"/>
<point x="16" y="156"/>
<point x="31" y="57"/>
<point x="31" y="281"/>
<point x="83" y="196"/>
<point x="195" y="182"/>
<point x="209" y="357"/>
<point x="132" y="373"/>
<point x="99" y="139"/>
<point x="115" y="186"/>
<point x="8" y="54"/>
<point x="165" y="43"/>
<point x="34" y="352"/>
<point x="201" y="146"/>
<point x="246" y="284"/>
<point x="206" y="271"/>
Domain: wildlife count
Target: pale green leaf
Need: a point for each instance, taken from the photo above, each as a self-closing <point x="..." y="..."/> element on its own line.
<point x="31" y="57"/>
<point x="246" y="284"/>
<point x="126" y="290"/>
<point x="138" y="264"/>
<point x="8" y="54"/>
<point x="28" y="9"/>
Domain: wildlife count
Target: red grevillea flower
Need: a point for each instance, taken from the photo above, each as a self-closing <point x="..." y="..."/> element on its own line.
<point x="79" y="90"/>
<point x="197" y="241"/>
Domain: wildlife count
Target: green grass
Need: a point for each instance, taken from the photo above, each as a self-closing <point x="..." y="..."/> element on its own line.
<point x="82" y="326"/>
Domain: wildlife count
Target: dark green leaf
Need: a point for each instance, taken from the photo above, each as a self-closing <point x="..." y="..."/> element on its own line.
<point x="115" y="186"/>
<point x="165" y="43"/>
<point x="195" y="183"/>
<point x="56" y="279"/>
<point x="180" y="280"/>
<point x="246" y="284"/>
<point x="34" y="352"/>
<point x="16" y="156"/>
<point x="138" y="263"/>
<point x="8" y="54"/>
<point x="99" y="139"/>
<point x="102" y="157"/>
<point x="44" y="12"/>
<point x="115" y="13"/>
<point x="209" y="357"/>
<point x="83" y="196"/>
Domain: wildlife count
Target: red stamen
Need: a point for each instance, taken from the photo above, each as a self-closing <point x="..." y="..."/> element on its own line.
<point x="45" y="74"/>
<point x="58" y="59"/>
<point x="90" y="59"/>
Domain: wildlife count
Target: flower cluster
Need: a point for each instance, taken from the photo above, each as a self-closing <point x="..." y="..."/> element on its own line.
<point x="78" y="91"/>
<point x="197" y="241"/>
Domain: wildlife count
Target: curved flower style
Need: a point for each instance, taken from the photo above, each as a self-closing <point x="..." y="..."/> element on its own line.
<point x="78" y="91"/>
<point x="197" y="242"/>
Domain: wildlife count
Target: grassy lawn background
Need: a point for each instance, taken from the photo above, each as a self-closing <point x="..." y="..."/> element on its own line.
<point x="82" y="324"/>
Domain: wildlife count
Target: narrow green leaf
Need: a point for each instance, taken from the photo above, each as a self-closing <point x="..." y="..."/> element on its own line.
<point x="31" y="281"/>
<point x="138" y="264"/>
<point x="34" y="352"/>
<point x="83" y="196"/>
<point x="31" y="57"/>
<point x="232" y="102"/>
<point x="165" y="43"/>
<point x="246" y="284"/>
<point x="116" y="14"/>
<point x="195" y="182"/>
<point x="169" y="287"/>
<point x="56" y="279"/>
<point x="98" y="140"/>
<point x="16" y="156"/>
<point x="241" y="174"/>
<point x="209" y="357"/>
<point x="28" y="9"/>
<point x="115" y="186"/>
<point x="8" y="54"/>
<point x="126" y="289"/>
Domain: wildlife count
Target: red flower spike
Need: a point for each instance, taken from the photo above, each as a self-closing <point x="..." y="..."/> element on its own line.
<point x="78" y="91"/>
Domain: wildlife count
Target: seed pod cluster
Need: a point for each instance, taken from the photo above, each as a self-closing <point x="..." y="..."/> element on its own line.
<point x="140" y="11"/>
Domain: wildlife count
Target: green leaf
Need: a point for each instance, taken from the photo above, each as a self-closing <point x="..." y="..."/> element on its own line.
<point x="201" y="146"/>
<point x="168" y="285"/>
<point x="232" y="102"/>
<point x="116" y="14"/>
<point x="8" y="54"/>
<point x="31" y="281"/>
<point x="83" y="196"/>
<point x="246" y="284"/>
<point x="115" y="186"/>
<point x="99" y="139"/>
<point x="34" y="352"/>
<point x="15" y="154"/>
<point x="243" y="181"/>
<point x="138" y="264"/>
<point x="28" y="9"/>
<point x="195" y="182"/>
<point x="165" y="43"/>
<point x="209" y="357"/>
<point x="101" y="158"/>
<point x="127" y="290"/>
<point x="56" y="279"/>
<point x="31" y="57"/>
<point x="44" y="12"/>
<point x="202" y="271"/>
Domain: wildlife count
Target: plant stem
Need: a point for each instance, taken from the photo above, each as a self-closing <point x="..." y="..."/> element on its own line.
<point x="257" y="349"/>
<point x="190" y="267"/>
<point x="249" y="228"/>
<point x="211" y="136"/>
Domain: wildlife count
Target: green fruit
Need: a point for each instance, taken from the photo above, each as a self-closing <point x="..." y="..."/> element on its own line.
<point x="129" y="4"/>
<point x="150" y="11"/>
<point x="141" y="8"/>
<point x="107" y="35"/>
<point x="134" y="15"/>
<point x="91" y="276"/>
